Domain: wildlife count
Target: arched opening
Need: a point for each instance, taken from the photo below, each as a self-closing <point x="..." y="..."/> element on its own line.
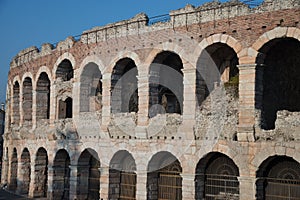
<point x="41" y="173"/>
<point x="88" y="175"/>
<point x="61" y="175"/>
<point x="217" y="63"/>
<point x="166" y="84"/>
<point x="64" y="71"/>
<point x="65" y="108"/>
<point x="163" y="178"/>
<point x="27" y="99"/>
<point x="90" y="88"/>
<point x="122" y="176"/>
<point x="16" y="103"/>
<point x="124" y="90"/>
<point x="280" y="79"/>
<point x="216" y="178"/>
<point x="278" y="178"/>
<point x="43" y="97"/>
<point x="13" y="171"/>
<point x="25" y="172"/>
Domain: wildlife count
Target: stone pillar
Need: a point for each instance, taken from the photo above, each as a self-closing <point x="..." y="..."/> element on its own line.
<point x="32" y="181"/>
<point x="52" y="103"/>
<point x="104" y="183"/>
<point x="20" y="178"/>
<point x="246" y="102"/>
<point x="247" y="187"/>
<point x="50" y="182"/>
<point x="188" y="186"/>
<point x="34" y="121"/>
<point x="76" y="99"/>
<point x="5" y="165"/>
<point x="105" y="104"/>
<point x="73" y="182"/>
<point x="143" y="92"/>
<point x="21" y="105"/>
<point x="141" y="186"/>
<point x="189" y="102"/>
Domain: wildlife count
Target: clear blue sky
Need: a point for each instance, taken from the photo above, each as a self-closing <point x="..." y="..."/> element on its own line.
<point x="26" y="23"/>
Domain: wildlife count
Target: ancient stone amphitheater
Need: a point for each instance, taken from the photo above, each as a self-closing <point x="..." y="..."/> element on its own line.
<point x="203" y="103"/>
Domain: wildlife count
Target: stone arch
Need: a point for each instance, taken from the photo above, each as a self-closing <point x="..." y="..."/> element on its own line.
<point x="66" y="56"/>
<point x="163" y="177"/>
<point x="25" y="172"/>
<point x="166" y="84"/>
<point x="278" y="177"/>
<point x="43" y="87"/>
<point x="88" y="175"/>
<point x="41" y="173"/>
<point x="217" y="61"/>
<point x="124" y="88"/>
<point x="277" y="78"/>
<point x="12" y="184"/>
<point x="43" y="69"/>
<point x="90" y="88"/>
<point x="122" y="176"/>
<point x="27" y="96"/>
<point x="216" y="177"/>
<point x="61" y="175"/>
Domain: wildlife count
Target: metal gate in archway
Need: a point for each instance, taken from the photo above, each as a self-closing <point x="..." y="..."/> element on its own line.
<point x="169" y="186"/>
<point x="282" y="189"/>
<point x="128" y="186"/>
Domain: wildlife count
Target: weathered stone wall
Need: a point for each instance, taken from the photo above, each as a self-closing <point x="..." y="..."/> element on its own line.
<point x="227" y="121"/>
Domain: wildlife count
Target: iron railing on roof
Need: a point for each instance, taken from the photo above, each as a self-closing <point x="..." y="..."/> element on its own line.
<point x="159" y="18"/>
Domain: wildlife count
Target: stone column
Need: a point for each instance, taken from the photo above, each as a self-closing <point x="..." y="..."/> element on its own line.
<point x="143" y="93"/>
<point x="32" y="181"/>
<point x="21" y="105"/>
<point x="20" y="177"/>
<point x="141" y="186"/>
<point x="247" y="187"/>
<point x="52" y="103"/>
<point x="50" y="182"/>
<point x="246" y="102"/>
<point x="76" y="99"/>
<point x="188" y="186"/>
<point x="34" y="120"/>
<point x="104" y="183"/>
<point x="73" y="181"/>
<point x="189" y="102"/>
<point x="105" y="104"/>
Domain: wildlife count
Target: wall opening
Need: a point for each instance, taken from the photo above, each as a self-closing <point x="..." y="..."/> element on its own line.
<point x="65" y="71"/>
<point x="13" y="171"/>
<point x="61" y="175"/>
<point x="217" y="63"/>
<point x="166" y="84"/>
<point x="124" y="90"/>
<point x="27" y="99"/>
<point x="16" y="103"/>
<point x="122" y="177"/>
<point x="90" y="88"/>
<point x="41" y="173"/>
<point x="43" y="97"/>
<point x="163" y="178"/>
<point x="216" y="178"/>
<point x="65" y="108"/>
<point x="88" y="175"/>
<point x="25" y="172"/>
<point x="280" y="84"/>
<point x="278" y="178"/>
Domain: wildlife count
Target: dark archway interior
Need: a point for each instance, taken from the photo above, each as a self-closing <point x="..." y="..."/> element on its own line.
<point x="25" y="171"/>
<point x="41" y="173"/>
<point x="61" y="175"/>
<point x="124" y="88"/>
<point x="122" y="177"/>
<point x="43" y="97"/>
<point x="90" y="88"/>
<point x="27" y="99"/>
<point x="281" y="79"/>
<point x="65" y="108"/>
<point x="163" y="178"/>
<point x="16" y="103"/>
<point x="88" y="175"/>
<point x="218" y="62"/>
<point x="13" y="171"/>
<point x="278" y="178"/>
<point x="166" y="84"/>
<point x="216" y="178"/>
<point x="65" y="70"/>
